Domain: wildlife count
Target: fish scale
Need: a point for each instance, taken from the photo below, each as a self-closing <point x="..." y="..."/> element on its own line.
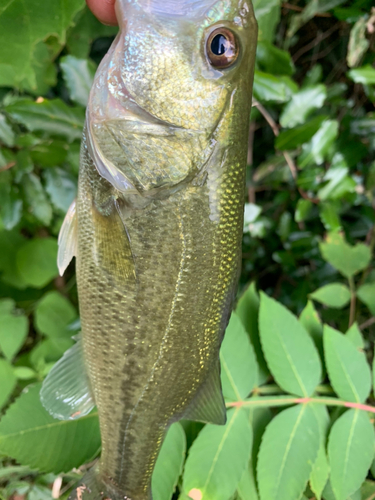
<point x="157" y="235"/>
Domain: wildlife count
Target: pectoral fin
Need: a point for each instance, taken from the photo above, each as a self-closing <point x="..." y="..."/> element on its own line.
<point x="112" y="250"/>
<point x="66" y="392"/>
<point x="208" y="406"/>
<point x="68" y="239"/>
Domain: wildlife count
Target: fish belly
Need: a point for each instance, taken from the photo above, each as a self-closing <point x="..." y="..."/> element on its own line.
<point x="152" y="334"/>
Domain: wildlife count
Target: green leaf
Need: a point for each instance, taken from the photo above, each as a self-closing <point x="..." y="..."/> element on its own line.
<point x="317" y="149"/>
<point x="328" y="492"/>
<point x="61" y="187"/>
<point x="10" y="243"/>
<point x="329" y="215"/>
<point x="273" y="88"/>
<point x="53" y="314"/>
<point x="267" y="13"/>
<point x="260" y="417"/>
<point x="294" y="137"/>
<point x="248" y="312"/>
<point x="309" y="318"/>
<point x="288" y="451"/>
<point x="11" y="208"/>
<point x="364" y="75"/>
<point x="347" y="368"/>
<point x="357" y="495"/>
<point x="24" y="373"/>
<point x="49" y="152"/>
<point x="36" y="198"/>
<point x="36" y="261"/>
<point x="320" y="472"/>
<point x="348" y="260"/>
<point x="350" y="452"/>
<point x="288" y="348"/>
<point x="358" y="43"/>
<point x="87" y="28"/>
<point x="7" y="136"/>
<point x="13" y="329"/>
<point x="247" y="488"/>
<point x="53" y="117"/>
<point x="169" y="463"/>
<point x="366" y="294"/>
<point x="22" y="26"/>
<point x="239" y="369"/>
<point x="355" y="335"/>
<point x="31" y="436"/>
<point x="368" y="490"/>
<point x="78" y="75"/>
<point x="8" y="381"/>
<point x="274" y="60"/>
<point x="49" y="351"/>
<point x="302" y="104"/>
<point x="334" y="295"/>
<point x="218" y="458"/>
<point x="339" y="183"/>
<point x="303" y="210"/>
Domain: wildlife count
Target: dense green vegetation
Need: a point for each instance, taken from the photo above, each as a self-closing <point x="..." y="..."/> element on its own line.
<point x="296" y="358"/>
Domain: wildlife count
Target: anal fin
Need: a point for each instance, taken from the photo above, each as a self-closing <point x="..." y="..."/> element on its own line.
<point x="208" y="406"/>
<point x="68" y="239"/>
<point x="66" y="392"/>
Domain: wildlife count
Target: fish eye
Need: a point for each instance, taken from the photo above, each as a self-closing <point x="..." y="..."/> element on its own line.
<point x="222" y="48"/>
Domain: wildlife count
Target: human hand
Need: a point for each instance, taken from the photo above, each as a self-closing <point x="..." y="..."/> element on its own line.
<point x="104" y="10"/>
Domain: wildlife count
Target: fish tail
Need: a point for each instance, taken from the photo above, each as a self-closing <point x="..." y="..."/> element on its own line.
<point x="91" y="487"/>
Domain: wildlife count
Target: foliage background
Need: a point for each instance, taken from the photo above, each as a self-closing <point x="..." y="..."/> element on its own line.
<point x="310" y="199"/>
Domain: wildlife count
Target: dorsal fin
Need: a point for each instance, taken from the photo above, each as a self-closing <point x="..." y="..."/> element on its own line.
<point x="68" y="239"/>
<point x="208" y="406"/>
<point x="66" y="392"/>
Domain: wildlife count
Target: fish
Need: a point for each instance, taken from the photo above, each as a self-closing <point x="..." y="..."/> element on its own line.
<point x="156" y="231"/>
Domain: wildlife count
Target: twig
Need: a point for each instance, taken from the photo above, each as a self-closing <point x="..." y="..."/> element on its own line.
<point x="323" y="53"/>
<point x="285" y="401"/>
<point x="8" y="166"/>
<point x="271" y="122"/>
<point x="317" y="40"/>
<point x="251" y="143"/>
<point x="289" y="6"/>
<point x="289" y="160"/>
<point x="367" y="323"/>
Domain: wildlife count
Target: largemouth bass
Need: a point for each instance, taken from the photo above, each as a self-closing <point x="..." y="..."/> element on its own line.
<point x="156" y="231"/>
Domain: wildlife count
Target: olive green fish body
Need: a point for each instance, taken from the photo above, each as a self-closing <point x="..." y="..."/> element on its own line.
<point x="152" y="338"/>
<point x="159" y="221"/>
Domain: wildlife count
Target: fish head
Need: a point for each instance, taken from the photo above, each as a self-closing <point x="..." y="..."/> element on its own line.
<point x="166" y="96"/>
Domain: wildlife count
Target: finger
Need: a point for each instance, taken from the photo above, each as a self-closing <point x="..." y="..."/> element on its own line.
<point x="104" y="10"/>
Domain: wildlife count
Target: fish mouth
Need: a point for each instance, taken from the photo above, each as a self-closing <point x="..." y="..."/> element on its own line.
<point x="111" y="100"/>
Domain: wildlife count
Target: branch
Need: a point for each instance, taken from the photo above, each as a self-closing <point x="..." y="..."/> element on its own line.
<point x="286" y="401"/>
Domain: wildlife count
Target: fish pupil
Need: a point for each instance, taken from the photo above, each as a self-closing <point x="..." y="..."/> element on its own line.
<point x="219" y="45"/>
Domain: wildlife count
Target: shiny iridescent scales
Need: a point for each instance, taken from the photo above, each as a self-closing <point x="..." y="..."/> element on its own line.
<point x="156" y="231"/>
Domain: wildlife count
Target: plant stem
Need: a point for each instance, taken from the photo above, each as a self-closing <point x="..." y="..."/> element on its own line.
<point x="352" y="301"/>
<point x="275" y="389"/>
<point x="286" y="401"/>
